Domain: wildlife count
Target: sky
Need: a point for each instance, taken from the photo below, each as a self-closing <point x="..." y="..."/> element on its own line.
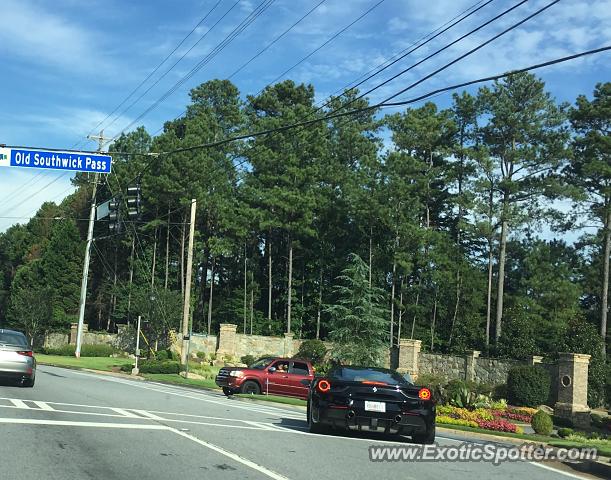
<point x="68" y="64"/>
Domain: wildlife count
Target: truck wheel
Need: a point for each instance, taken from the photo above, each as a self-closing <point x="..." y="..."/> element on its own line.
<point x="251" y="388"/>
<point x="227" y="391"/>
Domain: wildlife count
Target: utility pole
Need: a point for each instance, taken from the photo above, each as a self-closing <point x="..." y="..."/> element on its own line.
<point x="81" y="316"/>
<point x="186" y="306"/>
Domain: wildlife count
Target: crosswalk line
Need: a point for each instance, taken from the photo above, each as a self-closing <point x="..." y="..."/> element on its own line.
<point x="43" y="406"/>
<point x="18" y="403"/>
<point x="125" y="413"/>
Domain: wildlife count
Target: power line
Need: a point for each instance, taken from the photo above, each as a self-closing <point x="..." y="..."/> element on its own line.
<point x="333" y="37"/>
<point x="418" y="44"/>
<point x="160" y="65"/>
<point x="256" y="13"/>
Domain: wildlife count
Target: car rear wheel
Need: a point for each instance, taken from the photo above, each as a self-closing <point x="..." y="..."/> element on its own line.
<point x="28" y="382"/>
<point x="251" y="388"/>
<point x="427" y="438"/>
<point x="315" y="427"/>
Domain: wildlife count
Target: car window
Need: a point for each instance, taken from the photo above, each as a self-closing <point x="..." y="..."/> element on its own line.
<point x="13" y="338"/>
<point x="382" y="375"/>
<point x="261" y="363"/>
<point x="281" y="366"/>
<point x="300" y="368"/>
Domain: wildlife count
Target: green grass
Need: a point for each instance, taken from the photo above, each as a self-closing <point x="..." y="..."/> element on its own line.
<point x="603" y="446"/>
<point x="275" y="398"/>
<point x="93" y="363"/>
<point x="523" y="436"/>
<point x="178" y="380"/>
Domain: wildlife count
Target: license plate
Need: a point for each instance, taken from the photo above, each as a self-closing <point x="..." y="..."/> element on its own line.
<point x="375" y="406"/>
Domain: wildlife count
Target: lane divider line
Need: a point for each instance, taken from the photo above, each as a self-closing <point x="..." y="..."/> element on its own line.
<point x="67" y="423"/>
<point x="234" y="456"/>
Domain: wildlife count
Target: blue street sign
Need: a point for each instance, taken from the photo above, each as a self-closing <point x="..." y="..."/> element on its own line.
<point x="72" y="161"/>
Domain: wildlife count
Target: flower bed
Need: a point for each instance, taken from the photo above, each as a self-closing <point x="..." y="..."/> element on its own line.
<point x="488" y="419"/>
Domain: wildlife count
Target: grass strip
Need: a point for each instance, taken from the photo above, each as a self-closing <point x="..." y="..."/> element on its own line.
<point x="274" y="398"/>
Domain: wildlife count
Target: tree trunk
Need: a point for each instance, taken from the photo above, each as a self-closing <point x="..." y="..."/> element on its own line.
<point x="210" y="296"/>
<point x="290" y="288"/>
<point x="433" y="322"/>
<point x="501" y="281"/>
<point x="167" y="252"/>
<point x="400" y="312"/>
<point x="392" y="303"/>
<point x="182" y="257"/>
<point x="154" y="266"/>
<point x="370" y="253"/>
<point x="456" y="305"/>
<point x="605" y="291"/>
<point x="252" y="303"/>
<point x="245" y="289"/>
<point x="416" y="309"/>
<point x="131" y="279"/>
<point x="319" y="306"/>
<point x="269" y="278"/>
<point x="489" y="294"/>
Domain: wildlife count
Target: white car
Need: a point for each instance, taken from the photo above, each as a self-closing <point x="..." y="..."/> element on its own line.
<point x="17" y="360"/>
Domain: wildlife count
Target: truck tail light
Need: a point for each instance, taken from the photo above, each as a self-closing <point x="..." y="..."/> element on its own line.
<point x="323" y="386"/>
<point x="424" y="394"/>
<point x="26" y="353"/>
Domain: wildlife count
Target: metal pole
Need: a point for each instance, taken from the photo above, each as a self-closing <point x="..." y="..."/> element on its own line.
<point x="83" y="299"/>
<point x="135" y="370"/>
<point x="186" y="306"/>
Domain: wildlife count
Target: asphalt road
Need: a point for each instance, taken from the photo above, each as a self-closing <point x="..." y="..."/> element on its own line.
<point x="80" y="425"/>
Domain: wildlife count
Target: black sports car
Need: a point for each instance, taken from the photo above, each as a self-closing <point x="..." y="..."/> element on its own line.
<point x="371" y="399"/>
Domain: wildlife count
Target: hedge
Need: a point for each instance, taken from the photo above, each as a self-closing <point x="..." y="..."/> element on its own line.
<point x="528" y="386"/>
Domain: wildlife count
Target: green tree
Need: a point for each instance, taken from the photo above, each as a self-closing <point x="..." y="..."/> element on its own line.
<point x="589" y="172"/>
<point x="358" y="317"/>
<point x="61" y="266"/>
<point x="30" y="307"/>
<point x="526" y="138"/>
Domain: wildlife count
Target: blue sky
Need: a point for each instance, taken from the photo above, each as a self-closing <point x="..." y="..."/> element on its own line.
<point x="67" y="64"/>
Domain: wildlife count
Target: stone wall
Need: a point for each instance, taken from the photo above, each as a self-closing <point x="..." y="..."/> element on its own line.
<point x="203" y="343"/>
<point x="55" y="340"/>
<point x="447" y="366"/>
<point x="493" y="371"/>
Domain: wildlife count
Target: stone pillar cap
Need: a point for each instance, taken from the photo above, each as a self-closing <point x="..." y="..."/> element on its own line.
<point x="567" y="356"/>
<point x="410" y="341"/>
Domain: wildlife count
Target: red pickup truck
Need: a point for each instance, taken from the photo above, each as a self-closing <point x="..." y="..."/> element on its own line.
<point x="269" y="375"/>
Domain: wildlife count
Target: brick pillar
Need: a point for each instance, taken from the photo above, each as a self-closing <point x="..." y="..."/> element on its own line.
<point x="227" y="340"/>
<point x="470" y="361"/>
<point x="572" y="401"/>
<point x="535" y="360"/>
<point x="74" y="331"/>
<point x="409" y="351"/>
<point x="288" y="344"/>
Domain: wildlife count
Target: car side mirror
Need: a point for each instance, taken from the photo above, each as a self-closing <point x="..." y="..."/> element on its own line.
<point x="305" y="382"/>
<point x="271" y="369"/>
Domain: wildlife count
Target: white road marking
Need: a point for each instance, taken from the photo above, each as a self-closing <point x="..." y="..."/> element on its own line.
<point x="43" y="406"/>
<point x="234" y="456"/>
<point x="124" y="413"/>
<point x="67" y="423"/>
<point x="555" y="470"/>
<point x="146" y="414"/>
<point x="18" y="403"/>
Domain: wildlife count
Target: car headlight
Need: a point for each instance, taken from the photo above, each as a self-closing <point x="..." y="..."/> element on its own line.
<point x="236" y="373"/>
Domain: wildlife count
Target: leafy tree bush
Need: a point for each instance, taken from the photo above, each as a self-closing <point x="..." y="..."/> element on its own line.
<point x="358" y="319"/>
<point x="248" y="359"/>
<point x="64" y="350"/>
<point x="565" y="432"/>
<point x="542" y="423"/>
<point x="312" y="350"/>
<point x="528" y="386"/>
<point x="86" y="350"/>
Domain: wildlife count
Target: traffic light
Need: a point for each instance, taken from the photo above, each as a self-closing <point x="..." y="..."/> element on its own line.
<point x="133" y="202"/>
<point x="114" y="216"/>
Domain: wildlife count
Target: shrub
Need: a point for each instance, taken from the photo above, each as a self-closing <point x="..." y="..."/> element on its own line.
<point x="98" y="350"/>
<point x="565" y="432"/>
<point x="528" y="386"/>
<point x="312" y="350"/>
<point x="455" y="421"/>
<point x="499" y="392"/>
<point x="201" y="355"/>
<point x="542" y="423"/>
<point x="64" y="350"/>
<point x="248" y="359"/>
<point x="500" y="404"/>
<point x="156" y="366"/>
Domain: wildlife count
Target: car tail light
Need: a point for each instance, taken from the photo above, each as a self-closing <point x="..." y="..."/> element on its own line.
<point x="424" y="394"/>
<point x="323" y="386"/>
<point x="27" y="353"/>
